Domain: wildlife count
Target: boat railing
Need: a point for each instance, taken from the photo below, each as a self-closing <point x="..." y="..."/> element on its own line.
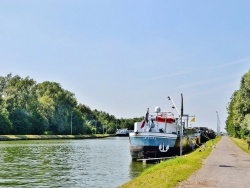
<point x="163" y="114"/>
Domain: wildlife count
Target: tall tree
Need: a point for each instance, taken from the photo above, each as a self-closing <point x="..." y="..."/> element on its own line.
<point x="56" y="105"/>
<point x="21" y="121"/>
<point x="5" y="123"/>
<point x="237" y="123"/>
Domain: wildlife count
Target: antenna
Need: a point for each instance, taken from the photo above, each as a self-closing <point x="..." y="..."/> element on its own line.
<point x="169" y="98"/>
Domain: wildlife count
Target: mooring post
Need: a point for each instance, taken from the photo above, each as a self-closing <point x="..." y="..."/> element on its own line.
<point x="213" y="143"/>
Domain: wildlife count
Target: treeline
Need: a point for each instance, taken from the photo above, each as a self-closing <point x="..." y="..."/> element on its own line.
<point x="27" y="107"/>
<point x="238" y="120"/>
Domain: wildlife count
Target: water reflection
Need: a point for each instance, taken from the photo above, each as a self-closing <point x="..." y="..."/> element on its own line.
<point x="137" y="167"/>
<point x="32" y="163"/>
<point x="67" y="163"/>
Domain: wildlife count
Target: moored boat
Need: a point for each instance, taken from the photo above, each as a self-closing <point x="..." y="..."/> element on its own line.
<point x="194" y="136"/>
<point x="159" y="135"/>
<point x="123" y="132"/>
<point x="205" y="134"/>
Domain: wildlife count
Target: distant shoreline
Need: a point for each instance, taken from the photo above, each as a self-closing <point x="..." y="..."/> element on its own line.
<point x="50" y="137"/>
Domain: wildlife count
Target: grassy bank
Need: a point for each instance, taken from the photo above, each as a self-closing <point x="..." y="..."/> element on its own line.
<point x="48" y="137"/>
<point x="170" y="173"/>
<point x="241" y="143"/>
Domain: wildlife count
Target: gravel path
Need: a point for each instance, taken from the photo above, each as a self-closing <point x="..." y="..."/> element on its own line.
<point x="226" y="166"/>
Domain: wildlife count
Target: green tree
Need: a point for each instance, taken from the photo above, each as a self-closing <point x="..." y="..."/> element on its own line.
<point x="19" y="93"/>
<point x="5" y="123"/>
<point x="237" y="123"/>
<point x="28" y="107"/>
<point x="56" y="105"/>
<point x="78" y="123"/>
<point x="21" y="121"/>
<point x="86" y="112"/>
<point x="39" y="123"/>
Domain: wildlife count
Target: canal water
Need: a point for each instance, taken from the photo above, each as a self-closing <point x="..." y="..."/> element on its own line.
<point x="67" y="163"/>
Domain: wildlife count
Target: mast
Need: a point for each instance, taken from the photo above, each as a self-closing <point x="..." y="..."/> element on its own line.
<point x="169" y="98"/>
<point x="181" y="131"/>
<point x="180" y="115"/>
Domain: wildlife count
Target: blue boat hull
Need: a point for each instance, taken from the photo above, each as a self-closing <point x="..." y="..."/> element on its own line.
<point x="145" y="145"/>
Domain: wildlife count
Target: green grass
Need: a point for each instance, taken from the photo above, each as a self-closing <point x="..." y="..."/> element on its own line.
<point x="171" y="172"/>
<point x="241" y="143"/>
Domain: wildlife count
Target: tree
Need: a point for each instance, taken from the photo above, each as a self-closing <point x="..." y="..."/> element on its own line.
<point x="5" y="124"/>
<point x="78" y="123"/>
<point x="19" y="92"/>
<point x="21" y="121"/>
<point x="39" y="123"/>
<point x="31" y="108"/>
<point x="56" y="105"/>
<point x="237" y="123"/>
<point x="86" y="111"/>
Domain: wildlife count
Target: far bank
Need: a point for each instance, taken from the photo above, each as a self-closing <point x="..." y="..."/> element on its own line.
<point x="50" y="137"/>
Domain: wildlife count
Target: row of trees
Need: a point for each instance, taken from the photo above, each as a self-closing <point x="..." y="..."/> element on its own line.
<point x="46" y="108"/>
<point x="238" y="120"/>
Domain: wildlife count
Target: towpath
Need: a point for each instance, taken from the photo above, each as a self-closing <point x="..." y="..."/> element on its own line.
<point x="226" y="166"/>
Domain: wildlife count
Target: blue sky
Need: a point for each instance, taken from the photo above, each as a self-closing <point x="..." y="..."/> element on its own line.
<point x="123" y="57"/>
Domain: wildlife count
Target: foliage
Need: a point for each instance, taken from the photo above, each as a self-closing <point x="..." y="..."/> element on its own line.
<point x="28" y="107"/>
<point x="238" y="120"/>
<point x="38" y="123"/>
<point x="21" y="121"/>
<point x="5" y="124"/>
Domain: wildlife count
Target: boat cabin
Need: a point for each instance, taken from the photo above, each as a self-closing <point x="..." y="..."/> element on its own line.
<point x="163" y="122"/>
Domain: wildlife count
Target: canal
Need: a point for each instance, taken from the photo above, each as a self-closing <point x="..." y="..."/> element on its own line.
<point x="67" y="163"/>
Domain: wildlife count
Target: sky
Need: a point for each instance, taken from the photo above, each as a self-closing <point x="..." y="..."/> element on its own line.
<point x="124" y="56"/>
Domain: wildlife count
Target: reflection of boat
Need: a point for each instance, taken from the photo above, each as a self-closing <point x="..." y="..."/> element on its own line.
<point x="136" y="168"/>
<point x="123" y="132"/>
<point x="158" y="135"/>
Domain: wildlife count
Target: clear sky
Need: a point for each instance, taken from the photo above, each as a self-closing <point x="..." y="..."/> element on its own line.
<point x="124" y="56"/>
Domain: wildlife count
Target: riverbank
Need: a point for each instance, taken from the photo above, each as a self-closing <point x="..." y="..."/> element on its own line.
<point x="50" y="137"/>
<point x="227" y="166"/>
<point x="170" y="173"/>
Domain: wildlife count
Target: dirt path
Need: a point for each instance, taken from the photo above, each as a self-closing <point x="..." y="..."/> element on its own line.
<point x="226" y="166"/>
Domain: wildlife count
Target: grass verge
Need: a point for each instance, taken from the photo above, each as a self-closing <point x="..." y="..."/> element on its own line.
<point x="241" y="143"/>
<point x="170" y="173"/>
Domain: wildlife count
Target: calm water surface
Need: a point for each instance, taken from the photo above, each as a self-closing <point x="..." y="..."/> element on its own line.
<point x="67" y="163"/>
